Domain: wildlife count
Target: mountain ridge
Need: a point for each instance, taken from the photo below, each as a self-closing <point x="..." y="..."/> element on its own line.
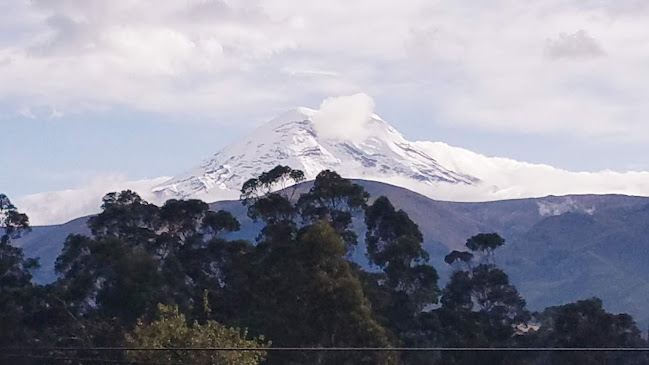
<point x="364" y="147"/>
<point x="434" y="169"/>
<point x="558" y="249"/>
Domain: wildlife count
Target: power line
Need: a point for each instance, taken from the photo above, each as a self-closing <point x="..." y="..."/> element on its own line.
<point x="85" y="359"/>
<point x="341" y="349"/>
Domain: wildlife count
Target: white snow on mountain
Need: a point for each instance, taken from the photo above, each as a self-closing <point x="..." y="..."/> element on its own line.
<point x="346" y="136"/>
<point x="293" y="139"/>
<point x="314" y="140"/>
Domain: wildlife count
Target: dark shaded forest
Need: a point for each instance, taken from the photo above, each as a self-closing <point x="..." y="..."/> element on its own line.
<point x="165" y="277"/>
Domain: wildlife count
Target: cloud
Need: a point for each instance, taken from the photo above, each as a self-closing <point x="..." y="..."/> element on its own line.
<point x="344" y="117"/>
<point x="503" y="178"/>
<point x="234" y="61"/>
<point x="576" y="45"/>
<point x="58" y="207"/>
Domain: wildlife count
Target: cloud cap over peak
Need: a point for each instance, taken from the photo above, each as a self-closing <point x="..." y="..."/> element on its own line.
<point x="344" y="117"/>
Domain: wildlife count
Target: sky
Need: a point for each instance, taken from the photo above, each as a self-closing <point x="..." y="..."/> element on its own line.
<point x="94" y="90"/>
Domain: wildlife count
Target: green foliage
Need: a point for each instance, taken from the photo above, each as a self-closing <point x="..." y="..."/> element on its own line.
<point x="394" y="244"/>
<point x="304" y="293"/>
<point x="272" y="208"/>
<point x="143" y="254"/>
<point x="485" y="243"/>
<point x="458" y="256"/>
<point x="585" y="323"/>
<point x="334" y="199"/>
<point x="406" y="285"/>
<point x="109" y="277"/>
<point x="126" y="216"/>
<point x="221" y="221"/>
<point x="12" y="223"/>
<point x="170" y="330"/>
<point x="277" y="178"/>
<point x="391" y="232"/>
<point x="15" y="278"/>
<point x="481" y="298"/>
<point x="296" y="286"/>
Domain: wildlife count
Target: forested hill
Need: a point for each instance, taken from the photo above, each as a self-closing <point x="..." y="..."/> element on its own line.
<point x="558" y="249"/>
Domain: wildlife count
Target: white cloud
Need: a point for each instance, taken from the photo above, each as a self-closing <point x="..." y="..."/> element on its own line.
<point x="58" y="207"/>
<point x="492" y="65"/>
<point x="503" y="178"/>
<point x="344" y="117"/>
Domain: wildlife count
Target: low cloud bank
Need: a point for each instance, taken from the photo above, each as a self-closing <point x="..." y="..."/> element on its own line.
<point x="58" y="207"/>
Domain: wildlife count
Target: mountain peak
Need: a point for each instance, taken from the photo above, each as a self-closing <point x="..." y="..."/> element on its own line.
<point x="292" y="115"/>
<point x="350" y="139"/>
<point x="304" y="139"/>
<point x="345" y="135"/>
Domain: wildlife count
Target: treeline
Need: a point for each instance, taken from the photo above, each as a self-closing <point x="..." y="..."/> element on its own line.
<point x="152" y="276"/>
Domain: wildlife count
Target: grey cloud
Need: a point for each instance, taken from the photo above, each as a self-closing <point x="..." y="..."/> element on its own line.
<point x="220" y="57"/>
<point x="219" y="10"/>
<point x="575" y="45"/>
<point x="421" y="41"/>
<point x="69" y="36"/>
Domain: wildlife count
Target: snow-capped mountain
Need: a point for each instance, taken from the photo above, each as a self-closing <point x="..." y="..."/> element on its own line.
<point x="293" y="139"/>
<point x="297" y="138"/>
<point x="362" y="146"/>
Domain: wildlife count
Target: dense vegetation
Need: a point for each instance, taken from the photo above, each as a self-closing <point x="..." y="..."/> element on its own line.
<point x="165" y="276"/>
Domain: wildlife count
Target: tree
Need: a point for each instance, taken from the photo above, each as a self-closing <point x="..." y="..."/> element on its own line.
<point x="170" y="330"/>
<point x="12" y="222"/>
<point x="300" y="289"/>
<point x="109" y="278"/>
<point x="406" y="286"/>
<point x="306" y="294"/>
<point x="278" y="178"/>
<point x="216" y="222"/>
<point x="274" y="208"/>
<point x="456" y="257"/>
<point x="485" y="244"/>
<point x="141" y="255"/>
<point x="480" y="307"/>
<point x="14" y="268"/>
<point x="398" y="295"/>
<point x="585" y="323"/>
<point x="125" y="215"/>
<point x="15" y="279"/>
<point x="334" y="199"/>
<point x="394" y="243"/>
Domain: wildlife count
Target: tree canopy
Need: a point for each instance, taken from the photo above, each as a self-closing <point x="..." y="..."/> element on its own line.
<point x="168" y="276"/>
